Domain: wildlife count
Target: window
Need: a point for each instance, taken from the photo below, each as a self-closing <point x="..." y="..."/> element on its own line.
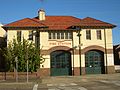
<point x="60" y="35"/>
<point x="37" y="38"/>
<point x="66" y="35"/>
<point x="69" y="35"/>
<point x="30" y="35"/>
<point x="19" y="35"/>
<point x="54" y="35"/>
<point x="119" y="54"/>
<point x="50" y="35"/>
<point x="88" y="34"/>
<point x="99" y="34"/>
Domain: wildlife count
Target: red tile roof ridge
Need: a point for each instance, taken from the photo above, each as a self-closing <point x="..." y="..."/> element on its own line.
<point x="37" y="21"/>
<point x="95" y="20"/>
<point x="64" y="17"/>
<point x="61" y="16"/>
<point x="24" y="23"/>
<point x="15" y="21"/>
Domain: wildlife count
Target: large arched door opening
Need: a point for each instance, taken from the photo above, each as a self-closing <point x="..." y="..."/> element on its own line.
<point x="60" y="63"/>
<point x="94" y="62"/>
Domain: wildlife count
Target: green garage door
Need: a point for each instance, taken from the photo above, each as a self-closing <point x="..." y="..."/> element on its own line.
<point x="94" y="62"/>
<point x="60" y="63"/>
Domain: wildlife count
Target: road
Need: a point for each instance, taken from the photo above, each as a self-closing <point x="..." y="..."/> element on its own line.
<point x="86" y="82"/>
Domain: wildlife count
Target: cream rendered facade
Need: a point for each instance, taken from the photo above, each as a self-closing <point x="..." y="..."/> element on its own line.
<point x="76" y="55"/>
<point x="48" y="46"/>
<point x="2" y="31"/>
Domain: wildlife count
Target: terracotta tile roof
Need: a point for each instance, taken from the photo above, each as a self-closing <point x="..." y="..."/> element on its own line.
<point x="91" y="22"/>
<point x="26" y="22"/>
<point x="59" y="22"/>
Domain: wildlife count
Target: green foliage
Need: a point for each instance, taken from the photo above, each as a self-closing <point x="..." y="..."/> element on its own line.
<point x="4" y="64"/>
<point x="24" y="51"/>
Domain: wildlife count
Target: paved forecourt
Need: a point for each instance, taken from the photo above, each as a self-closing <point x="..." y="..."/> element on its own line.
<point x="87" y="82"/>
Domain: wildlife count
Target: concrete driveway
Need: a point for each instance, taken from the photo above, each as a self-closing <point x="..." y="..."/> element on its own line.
<point x="87" y="82"/>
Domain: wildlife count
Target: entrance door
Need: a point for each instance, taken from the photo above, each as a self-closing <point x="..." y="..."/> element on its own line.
<point x="60" y="63"/>
<point x="94" y="62"/>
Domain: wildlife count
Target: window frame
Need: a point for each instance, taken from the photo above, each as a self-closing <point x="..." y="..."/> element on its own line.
<point x="59" y="35"/>
<point x="19" y="35"/>
<point x="31" y="35"/>
<point x="99" y="34"/>
<point x="88" y="34"/>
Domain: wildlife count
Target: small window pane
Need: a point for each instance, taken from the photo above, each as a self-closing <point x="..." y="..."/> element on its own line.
<point x="99" y="34"/>
<point x="19" y="35"/>
<point x="66" y="35"/>
<point x="88" y="34"/>
<point x="30" y="35"/>
<point x="58" y="35"/>
<point x="70" y="35"/>
<point x="50" y="35"/>
<point x="62" y="35"/>
<point x="54" y="35"/>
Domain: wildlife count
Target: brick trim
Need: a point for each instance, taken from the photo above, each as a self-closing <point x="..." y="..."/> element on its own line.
<point x="83" y="51"/>
<point x="93" y="47"/>
<point x="47" y="52"/>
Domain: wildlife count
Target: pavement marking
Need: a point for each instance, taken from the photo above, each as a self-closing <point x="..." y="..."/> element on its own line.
<point x="84" y="80"/>
<point x="82" y="88"/>
<point x="62" y="85"/>
<point x="65" y="88"/>
<point x="51" y="89"/>
<point x="104" y="81"/>
<point x="49" y="85"/>
<point x="73" y="84"/>
<point x="35" y="87"/>
<point x="117" y="83"/>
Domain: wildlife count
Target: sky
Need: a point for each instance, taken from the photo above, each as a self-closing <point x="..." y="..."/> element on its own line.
<point x="105" y="10"/>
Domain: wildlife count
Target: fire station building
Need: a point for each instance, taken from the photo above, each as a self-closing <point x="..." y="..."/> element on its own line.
<point x="70" y="45"/>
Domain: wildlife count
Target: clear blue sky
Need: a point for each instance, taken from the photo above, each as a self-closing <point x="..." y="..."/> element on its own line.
<point x="105" y="10"/>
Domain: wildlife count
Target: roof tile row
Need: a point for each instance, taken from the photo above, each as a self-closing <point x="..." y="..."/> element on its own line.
<point x="59" y="22"/>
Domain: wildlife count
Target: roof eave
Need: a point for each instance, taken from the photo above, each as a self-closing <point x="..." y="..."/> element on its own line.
<point x="18" y="27"/>
<point x="96" y="27"/>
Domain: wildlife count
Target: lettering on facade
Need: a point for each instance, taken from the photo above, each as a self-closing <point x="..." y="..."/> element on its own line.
<point x="60" y="43"/>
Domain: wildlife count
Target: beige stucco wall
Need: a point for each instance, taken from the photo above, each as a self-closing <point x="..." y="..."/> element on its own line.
<point x="94" y="41"/>
<point x="46" y="44"/>
<point x="86" y="43"/>
<point x="44" y="40"/>
<point x="109" y="38"/>
<point x="11" y="34"/>
<point x="2" y="31"/>
<point x="25" y="34"/>
<point x="46" y="64"/>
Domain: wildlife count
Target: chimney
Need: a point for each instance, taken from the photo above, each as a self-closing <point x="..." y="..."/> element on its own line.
<point x="41" y="15"/>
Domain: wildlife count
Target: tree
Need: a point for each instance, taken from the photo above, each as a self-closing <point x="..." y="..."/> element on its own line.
<point x="3" y="64"/>
<point x="24" y="51"/>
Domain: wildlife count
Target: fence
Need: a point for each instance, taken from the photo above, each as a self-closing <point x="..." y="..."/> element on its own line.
<point x="21" y="75"/>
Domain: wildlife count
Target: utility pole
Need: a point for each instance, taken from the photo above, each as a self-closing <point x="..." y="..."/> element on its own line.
<point x="27" y="63"/>
<point x="16" y="60"/>
<point x="79" y="36"/>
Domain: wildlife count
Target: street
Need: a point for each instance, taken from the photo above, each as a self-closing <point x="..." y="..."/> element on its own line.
<point x="85" y="82"/>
